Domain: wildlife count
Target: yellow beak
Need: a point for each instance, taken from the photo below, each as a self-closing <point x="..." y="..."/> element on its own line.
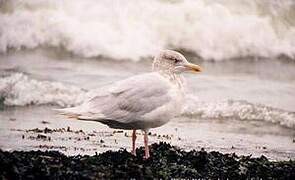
<point x="193" y="67"/>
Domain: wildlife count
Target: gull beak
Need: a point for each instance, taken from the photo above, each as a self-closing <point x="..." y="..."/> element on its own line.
<point x="192" y="67"/>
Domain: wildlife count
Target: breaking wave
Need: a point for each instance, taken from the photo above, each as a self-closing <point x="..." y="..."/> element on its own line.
<point x="20" y="90"/>
<point x="134" y="29"/>
<point x="239" y="110"/>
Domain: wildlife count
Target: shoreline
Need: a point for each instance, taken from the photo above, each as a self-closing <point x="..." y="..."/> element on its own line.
<point x="166" y="162"/>
<point x="38" y="128"/>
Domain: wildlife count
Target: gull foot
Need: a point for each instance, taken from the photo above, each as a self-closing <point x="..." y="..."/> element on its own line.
<point x="133" y="153"/>
<point x="146" y="157"/>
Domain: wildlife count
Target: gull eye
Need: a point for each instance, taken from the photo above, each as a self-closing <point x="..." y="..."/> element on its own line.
<point x="176" y="60"/>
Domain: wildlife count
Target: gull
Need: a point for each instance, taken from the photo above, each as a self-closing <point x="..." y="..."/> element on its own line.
<point x="140" y="102"/>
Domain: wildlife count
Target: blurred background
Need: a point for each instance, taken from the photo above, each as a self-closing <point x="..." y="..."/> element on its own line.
<point x="56" y="53"/>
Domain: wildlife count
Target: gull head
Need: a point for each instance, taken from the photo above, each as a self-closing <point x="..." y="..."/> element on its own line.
<point x="173" y="62"/>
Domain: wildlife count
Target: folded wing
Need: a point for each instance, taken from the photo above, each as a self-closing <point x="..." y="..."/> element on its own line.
<point x="126" y="101"/>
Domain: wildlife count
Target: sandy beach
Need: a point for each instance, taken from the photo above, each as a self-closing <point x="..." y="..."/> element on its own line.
<point x="49" y="131"/>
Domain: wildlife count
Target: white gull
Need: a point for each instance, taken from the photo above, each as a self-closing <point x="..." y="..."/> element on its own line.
<point x="140" y="102"/>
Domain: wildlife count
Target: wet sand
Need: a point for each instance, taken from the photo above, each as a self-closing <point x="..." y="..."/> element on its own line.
<point x="39" y="128"/>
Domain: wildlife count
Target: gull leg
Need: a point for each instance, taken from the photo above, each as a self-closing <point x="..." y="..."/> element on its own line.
<point x="146" y="147"/>
<point x="133" y="142"/>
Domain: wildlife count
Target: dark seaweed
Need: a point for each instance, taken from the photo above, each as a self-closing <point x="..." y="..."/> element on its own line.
<point x="2" y="99"/>
<point x="166" y="162"/>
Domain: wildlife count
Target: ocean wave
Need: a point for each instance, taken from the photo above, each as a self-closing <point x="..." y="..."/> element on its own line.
<point x="20" y="90"/>
<point x="238" y="110"/>
<point x="131" y="30"/>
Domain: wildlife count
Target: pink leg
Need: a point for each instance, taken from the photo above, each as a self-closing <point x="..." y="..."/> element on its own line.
<point x="146" y="147"/>
<point x="133" y="142"/>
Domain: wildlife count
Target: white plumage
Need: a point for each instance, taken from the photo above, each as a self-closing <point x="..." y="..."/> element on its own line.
<point x="139" y="102"/>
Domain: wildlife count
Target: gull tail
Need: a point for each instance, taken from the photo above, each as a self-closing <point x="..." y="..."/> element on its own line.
<point x="72" y="112"/>
<point x="78" y="113"/>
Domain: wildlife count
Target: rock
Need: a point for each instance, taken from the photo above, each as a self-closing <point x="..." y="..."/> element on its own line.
<point x="45" y="122"/>
<point x="12" y="119"/>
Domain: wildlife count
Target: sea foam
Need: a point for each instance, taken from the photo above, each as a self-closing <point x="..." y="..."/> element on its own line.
<point x="20" y="90"/>
<point x="237" y="110"/>
<point x="215" y="30"/>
